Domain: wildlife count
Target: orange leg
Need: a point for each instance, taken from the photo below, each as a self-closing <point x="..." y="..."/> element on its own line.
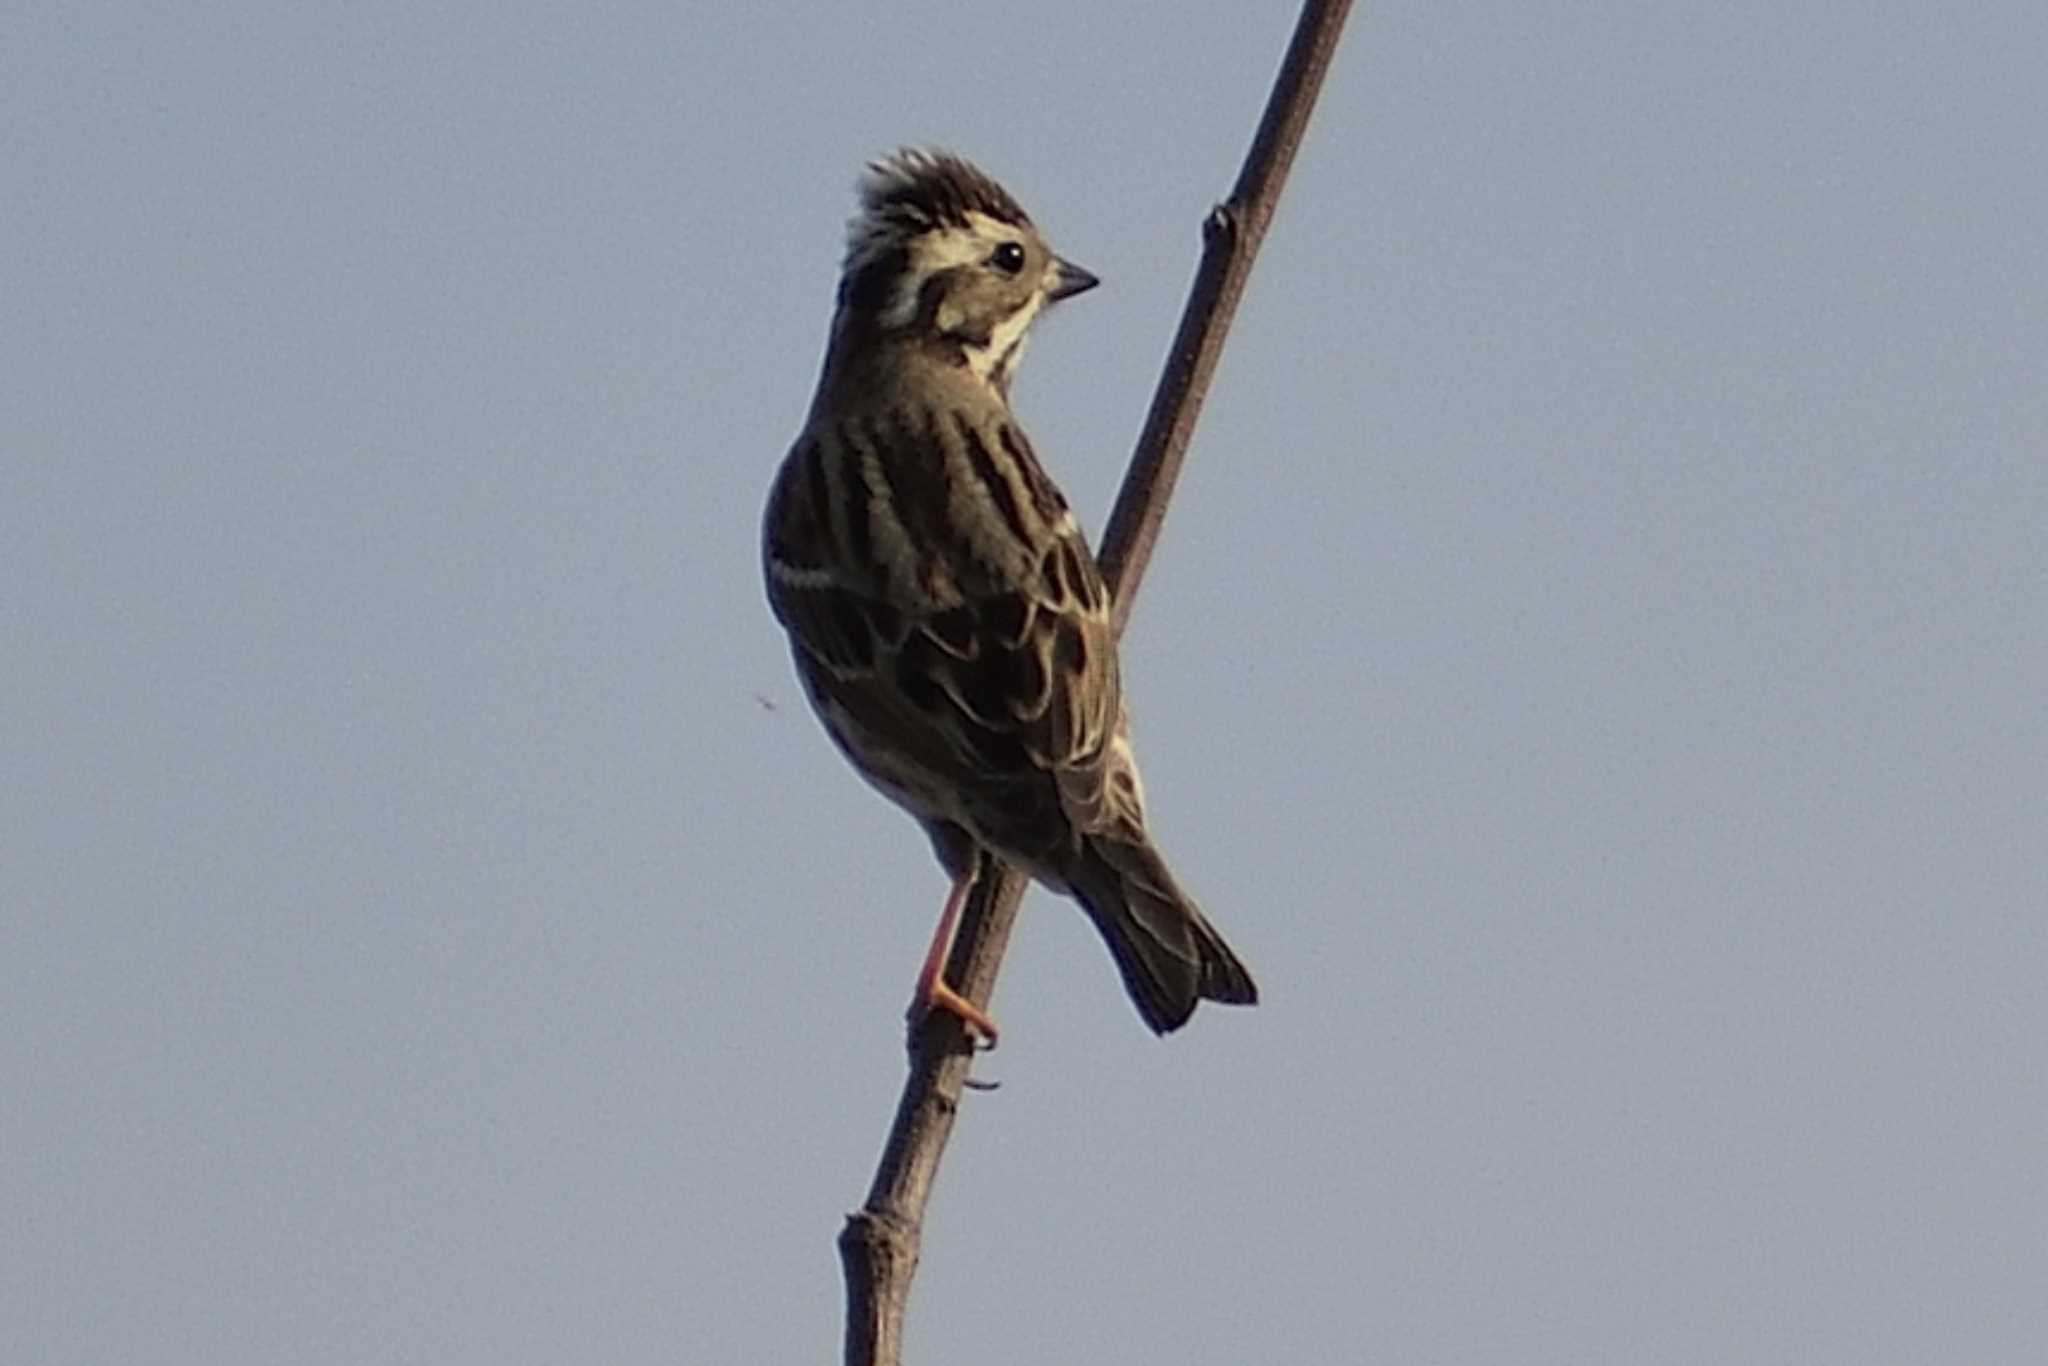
<point x="932" y="992"/>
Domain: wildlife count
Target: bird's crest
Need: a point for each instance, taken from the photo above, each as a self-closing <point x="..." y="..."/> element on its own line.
<point x="916" y="191"/>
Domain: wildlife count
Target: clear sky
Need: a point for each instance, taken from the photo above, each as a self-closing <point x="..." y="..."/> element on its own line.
<point x="1594" y="673"/>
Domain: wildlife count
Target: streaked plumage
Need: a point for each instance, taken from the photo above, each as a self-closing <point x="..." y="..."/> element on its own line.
<point x="946" y="615"/>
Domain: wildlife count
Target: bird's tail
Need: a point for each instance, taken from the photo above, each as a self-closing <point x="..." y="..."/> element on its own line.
<point x="1170" y="957"/>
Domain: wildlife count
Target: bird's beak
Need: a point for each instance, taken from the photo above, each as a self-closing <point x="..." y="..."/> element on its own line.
<point x="1069" y="280"/>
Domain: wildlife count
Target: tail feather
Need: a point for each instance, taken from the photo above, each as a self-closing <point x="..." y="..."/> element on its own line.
<point x="1169" y="955"/>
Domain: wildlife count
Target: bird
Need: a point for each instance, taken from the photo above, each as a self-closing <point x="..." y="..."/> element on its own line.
<point x="948" y="621"/>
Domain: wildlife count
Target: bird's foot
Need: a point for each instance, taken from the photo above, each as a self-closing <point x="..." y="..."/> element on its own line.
<point x="937" y="995"/>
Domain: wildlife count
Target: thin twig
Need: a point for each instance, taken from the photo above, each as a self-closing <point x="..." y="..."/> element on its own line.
<point x="878" y="1248"/>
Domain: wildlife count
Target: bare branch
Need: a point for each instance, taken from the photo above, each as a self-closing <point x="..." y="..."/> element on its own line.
<point x="879" y="1246"/>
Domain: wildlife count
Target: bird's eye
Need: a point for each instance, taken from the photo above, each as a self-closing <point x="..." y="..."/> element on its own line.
<point x="1008" y="258"/>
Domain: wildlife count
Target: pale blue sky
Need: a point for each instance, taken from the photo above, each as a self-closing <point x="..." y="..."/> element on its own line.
<point x="1594" y="673"/>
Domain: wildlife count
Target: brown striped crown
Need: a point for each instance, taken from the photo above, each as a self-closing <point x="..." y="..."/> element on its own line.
<point x="916" y="191"/>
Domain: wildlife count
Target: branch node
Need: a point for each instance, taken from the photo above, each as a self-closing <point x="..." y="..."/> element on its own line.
<point x="1222" y="223"/>
<point x="880" y="1231"/>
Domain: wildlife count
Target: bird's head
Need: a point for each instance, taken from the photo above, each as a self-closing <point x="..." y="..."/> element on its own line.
<point x="938" y="250"/>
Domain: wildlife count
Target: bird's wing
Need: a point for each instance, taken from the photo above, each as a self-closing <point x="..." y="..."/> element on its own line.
<point x="975" y="687"/>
